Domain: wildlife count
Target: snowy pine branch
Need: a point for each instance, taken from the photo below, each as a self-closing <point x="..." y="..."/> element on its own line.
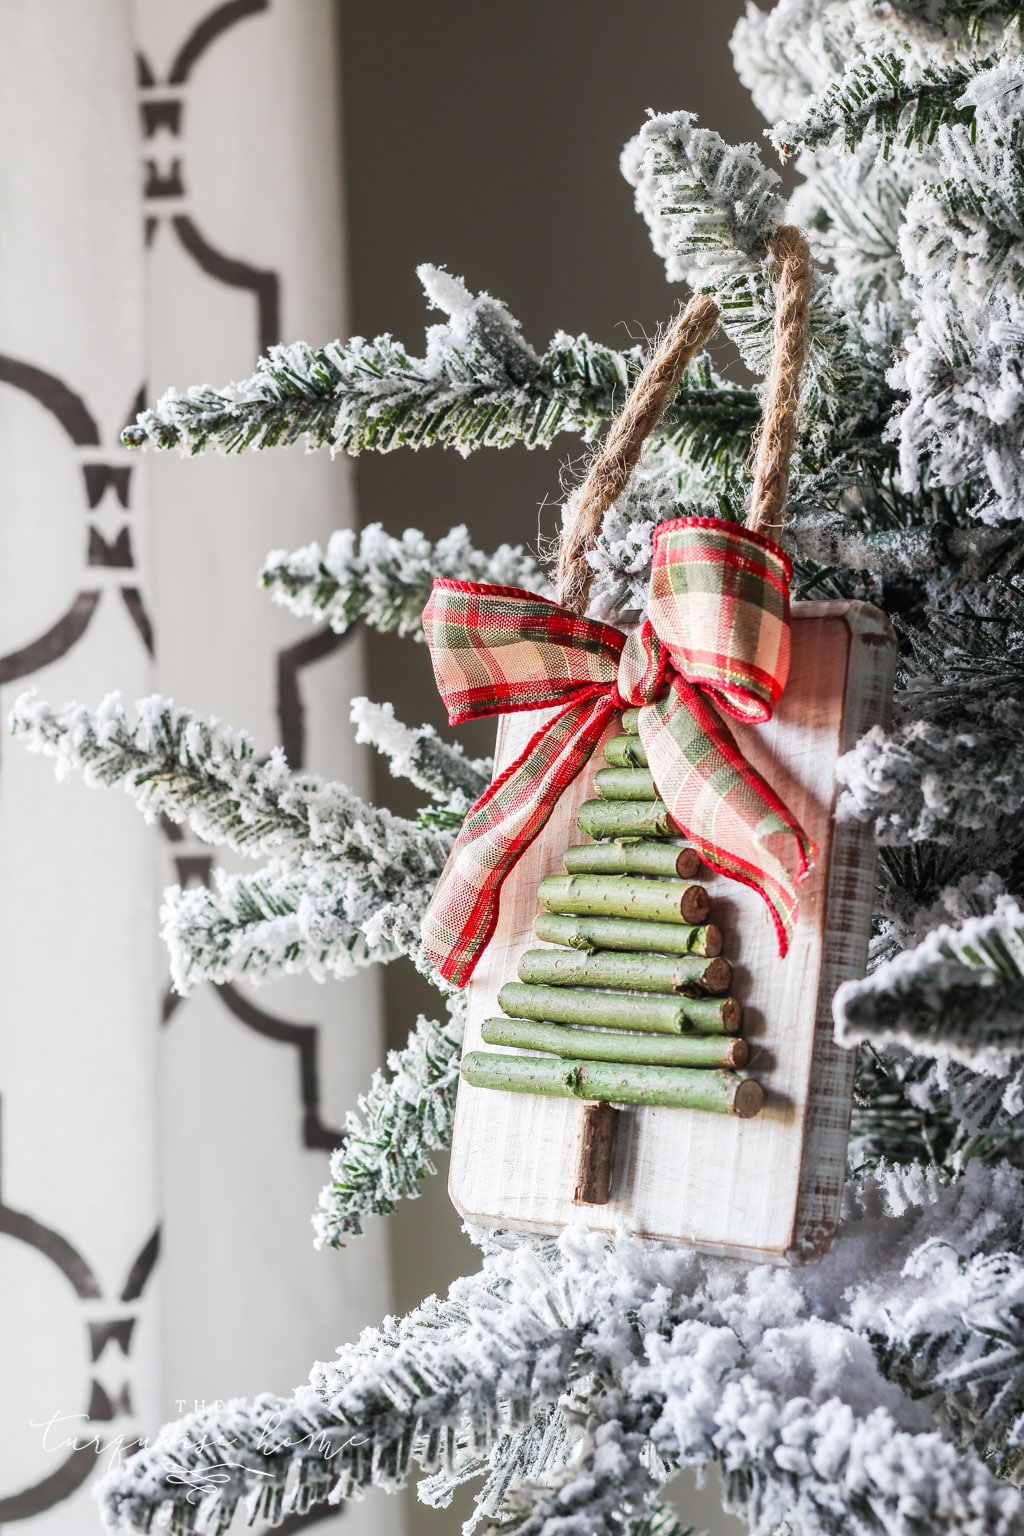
<point x="931" y="778"/>
<point x="950" y="1329"/>
<point x="531" y="1453"/>
<point x="952" y="767"/>
<point x="936" y="1111"/>
<point x="930" y="1107"/>
<point x="888" y="1127"/>
<point x="478" y="385"/>
<point x="966" y="1352"/>
<point x="924" y="240"/>
<point x="960" y="991"/>
<point x="884" y="96"/>
<point x="176" y="764"/>
<point x="660" y="1521"/>
<point x="962" y="427"/>
<point x="421" y="756"/>
<point x="970" y="18"/>
<point x="281" y="921"/>
<point x="646" y="1349"/>
<point x="385" y="581"/>
<point x="349" y="882"/>
<point x="425" y="1390"/>
<point x="786" y="54"/>
<point x="975" y="553"/>
<point x="607" y="1486"/>
<point x="792" y="54"/>
<point x="202" y="1467"/>
<point x="390" y="1136"/>
<point x="711" y="207"/>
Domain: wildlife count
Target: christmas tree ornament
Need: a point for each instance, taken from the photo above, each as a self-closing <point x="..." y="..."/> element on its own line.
<point x="880" y="1389"/>
<point x="621" y="902"/>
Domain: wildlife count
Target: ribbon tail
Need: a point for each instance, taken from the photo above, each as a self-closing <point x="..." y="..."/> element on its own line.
<point x="463" y="911"/>
<point x="722" y="804"/>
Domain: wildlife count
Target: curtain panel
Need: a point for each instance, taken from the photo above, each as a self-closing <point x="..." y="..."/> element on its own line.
<point x="170" y="205"/>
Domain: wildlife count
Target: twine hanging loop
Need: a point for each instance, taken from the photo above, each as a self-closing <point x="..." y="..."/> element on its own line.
<point x="617" y="457"/>
<point x="613" y="464"/>
<point x="777" y="432"/>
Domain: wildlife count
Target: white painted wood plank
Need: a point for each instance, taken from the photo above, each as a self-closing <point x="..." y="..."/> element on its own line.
<point x="762" y="1188"/>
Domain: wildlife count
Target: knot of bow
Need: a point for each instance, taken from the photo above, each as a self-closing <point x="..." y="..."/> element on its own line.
<point x="716" y="639"/>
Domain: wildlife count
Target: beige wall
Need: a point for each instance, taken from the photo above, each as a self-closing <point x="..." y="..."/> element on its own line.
<point x="486" y="137"/>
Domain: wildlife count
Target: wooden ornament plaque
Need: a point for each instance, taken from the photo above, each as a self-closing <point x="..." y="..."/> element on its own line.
<point x="767" y="1188"/>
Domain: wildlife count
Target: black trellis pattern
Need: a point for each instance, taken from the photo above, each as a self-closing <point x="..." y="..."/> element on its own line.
<point x="78" y="1465"/>
<point x="162" y="107"/>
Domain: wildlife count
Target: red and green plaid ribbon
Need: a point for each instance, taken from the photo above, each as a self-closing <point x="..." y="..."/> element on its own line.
<point x="717" y="634"/>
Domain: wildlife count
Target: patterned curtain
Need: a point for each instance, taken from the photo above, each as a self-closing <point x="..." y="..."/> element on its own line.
<point x="159" y="1157"/>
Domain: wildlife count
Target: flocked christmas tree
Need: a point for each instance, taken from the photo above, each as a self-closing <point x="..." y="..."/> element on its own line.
<point x="882" y="1388"/>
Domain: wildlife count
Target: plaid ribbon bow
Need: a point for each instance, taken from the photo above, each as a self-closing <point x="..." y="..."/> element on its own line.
<point x="718" y="630"/>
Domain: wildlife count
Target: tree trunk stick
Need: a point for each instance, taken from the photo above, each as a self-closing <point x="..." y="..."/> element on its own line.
<point x="616" y="1045"/>
<point x="625" y="784"/>
<point x="630" y="722"/>
<point x="608" y="1082"/>
<point x="625" y="818"/>
<point x="595" y="1155"/>
<point x="621" y="1010"/>
<point x="625" y="752"/>
<point x="644" y="973"/>
<point x="663" y="901"/>
<point x="633" y="858"/>
<point x="622" y="933"/>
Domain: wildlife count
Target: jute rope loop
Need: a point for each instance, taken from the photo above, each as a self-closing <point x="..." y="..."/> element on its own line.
<point x="774" y="438"/>
<point x="618" y="455"/>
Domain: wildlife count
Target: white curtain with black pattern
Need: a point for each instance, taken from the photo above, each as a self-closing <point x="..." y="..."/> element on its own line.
<point x="159" y="1157"/>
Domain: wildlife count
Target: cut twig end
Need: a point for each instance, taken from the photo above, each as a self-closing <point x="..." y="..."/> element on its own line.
<point x="687" y="863"/>
<point x="749" y="1099"/>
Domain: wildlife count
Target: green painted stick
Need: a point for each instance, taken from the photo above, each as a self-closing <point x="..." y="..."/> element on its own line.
<point x="625" y="818"/>
<point x="625" y="752"/>
<point x="616" y="1045"/>
<point x="625" y="784"/>
<point x="633" y="858"/>
<point x="643" y="973"/>
<point x="663" y="901"/>
<point x="623" y="933"/>
<point x="621" y="1010"/>
<point x="720" y="1092"/>
<point x="630" y="721"/>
